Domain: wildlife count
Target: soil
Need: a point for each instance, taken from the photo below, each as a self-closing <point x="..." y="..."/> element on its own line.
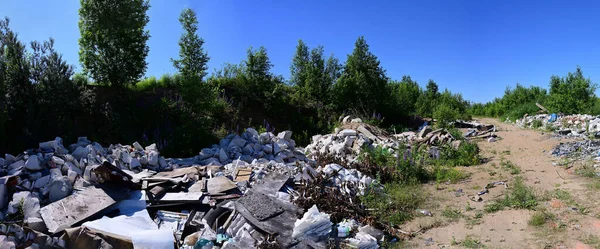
<point x="576" y="223"/>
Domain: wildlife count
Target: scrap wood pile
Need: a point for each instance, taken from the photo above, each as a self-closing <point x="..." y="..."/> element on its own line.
<point x="575" y="126"/>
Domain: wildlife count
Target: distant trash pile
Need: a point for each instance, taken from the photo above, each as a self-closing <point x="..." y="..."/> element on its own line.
<point x="575" y="126"/>
<point x="582" y="150"/>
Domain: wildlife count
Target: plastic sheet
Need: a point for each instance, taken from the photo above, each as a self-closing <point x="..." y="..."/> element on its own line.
<point x="312" y="223"/>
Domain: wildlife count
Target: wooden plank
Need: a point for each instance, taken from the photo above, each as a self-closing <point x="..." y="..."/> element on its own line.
<point x="75" y="208"/>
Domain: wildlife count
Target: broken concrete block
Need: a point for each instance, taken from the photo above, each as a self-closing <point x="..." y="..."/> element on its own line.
<point x="135" y="163"/>
<point x="151" y="147"/>
<point x="143" y="159"/>
<point x="9" y="158"/>
<point x="41" y="182"/>
<point x="16" y="165"/>
<point x="36" y="223"/>
<point x="59" y="188"/>
<point x="50" y="145"/>
<point x="265" y="138"/>
<point x="33" y="163"/>
<point x="223" y="155"/>
<point x="24" y="201"/>
<point x="239" y="142"/>
<point x="72" y="176"/>
<point x="153" y="158"/>
<point x="58" y="160"/>
<point x="286" y="135"/>
<point x="348" y="132"/>
<point x="137" y="146"/>
<point x="80" y="152"/>
<point x="356" y="120"/>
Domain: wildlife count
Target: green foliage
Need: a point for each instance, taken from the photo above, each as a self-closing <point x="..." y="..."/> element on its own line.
<point x="520" y="196"/>
<point x="444" y="115"/>
<point x="362" y="85"/>
<point x="112" y="46"/>
<point x="428" y="101"/>
<point x="571" y="94"/>
<point x="510" y="166"/>
<point x="471" y="242"/>
<point x="467" y="154"/>
<point x="192" y="60"/>
<point x="396" y="204"/>
<point x="452" y="214"/>
<point x="539" y="218"/>
<point x="536" y="124"/>
<point x="448" y="174"/>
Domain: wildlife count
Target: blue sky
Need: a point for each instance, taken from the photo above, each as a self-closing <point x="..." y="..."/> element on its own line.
<point x="476" y="48"/>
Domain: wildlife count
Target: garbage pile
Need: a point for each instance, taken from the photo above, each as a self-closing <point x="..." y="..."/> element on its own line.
<point x="348" y="141"/>
<point x="251" y="190"/>
<point x="576" y="125"/>
<point x="582" y="150"/>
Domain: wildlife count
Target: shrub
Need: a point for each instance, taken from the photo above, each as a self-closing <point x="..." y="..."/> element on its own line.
<point x="540" y="218"/>
<point x="536" y="124"/>
<point x="444" y="115"/>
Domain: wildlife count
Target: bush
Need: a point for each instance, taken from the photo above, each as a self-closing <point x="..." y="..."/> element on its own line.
<point x="540" y="218"/>
<point x="444" y="115"/>
<point x="467" y="154"/>
<point x="396" y="204"/>
<point x="536" y="124"/>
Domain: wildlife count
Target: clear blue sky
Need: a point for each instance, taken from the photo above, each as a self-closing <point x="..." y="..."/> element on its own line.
<point x="473" y="47"/>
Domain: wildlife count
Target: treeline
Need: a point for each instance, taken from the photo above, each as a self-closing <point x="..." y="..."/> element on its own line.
<point x="41" y="97"/>
<point x="571" y="94"/>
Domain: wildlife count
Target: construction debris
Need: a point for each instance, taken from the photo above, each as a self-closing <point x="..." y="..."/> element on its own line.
<point x="571" y="126"/>
<point x="249" y="190"/>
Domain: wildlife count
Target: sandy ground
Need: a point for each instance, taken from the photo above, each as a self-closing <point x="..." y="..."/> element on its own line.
<point x="530" y="150"/>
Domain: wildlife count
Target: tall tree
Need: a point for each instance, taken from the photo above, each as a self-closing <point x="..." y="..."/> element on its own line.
<point x="18" y="94"/>
<point x="428" y="102"/>
<point x="192" y="60"/>
<point x="258" y="65"/>
<point x="362" y="85"/>
<point x="300" y="65"/>
<point x="112" y="46"/>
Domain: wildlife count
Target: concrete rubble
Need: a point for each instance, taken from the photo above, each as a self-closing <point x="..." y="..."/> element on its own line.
<point x="249" y="190"/>
<point x="565" y="126"/>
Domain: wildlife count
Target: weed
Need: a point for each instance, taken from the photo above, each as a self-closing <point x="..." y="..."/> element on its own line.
<point x="493" y="207"/>
<point x="449" y="174"/>
<point x="587" y="171"/>
<point x="494" y="165"/>
<point x="396" y="204"/>
<point x="469" y="208"/>
<point x="520" y="196"/>
<point x="595" y="185"/>
<point x="467" y="154"/>
<point x="471" y="242"/>
<point x="540" y="218"/>
<point x="536" y="124"/>
<point x="510" y="166"/>
<point x="452" y="214"/>
<point x="479" y="215"/>
<point x="557" y="185"/>
<point x="492" y="173"/>
<point x="494" y="151"/>
<point x="453" y="242"/>
<point x="561" y="195"/>
<point x="506" y="152"/>
<point x="591" y="239"/>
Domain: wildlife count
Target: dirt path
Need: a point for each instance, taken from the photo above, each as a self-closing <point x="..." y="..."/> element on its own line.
<point x="459" y="222"/>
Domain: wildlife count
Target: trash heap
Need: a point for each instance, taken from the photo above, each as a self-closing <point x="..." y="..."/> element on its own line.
<point x="250" y="190"/>
<point x="576" y="125"/>
<point x="581" y="150"/>
<point x="347" y="142"/>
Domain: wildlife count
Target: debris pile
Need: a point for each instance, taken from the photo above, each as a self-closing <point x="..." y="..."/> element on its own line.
<point x="348" y="141"/>
<point x="250" y="190"/>
<point x="581" y="150"/>
<point x="576" y="125"/>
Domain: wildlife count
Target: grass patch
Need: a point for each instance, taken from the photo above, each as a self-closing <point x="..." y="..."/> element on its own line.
<point x="587" y="170"/>
<point x="540" y="218"/>
<point x="506" y="152"/>
<point x="520" y="196"/>
<point x="510" y="167"/>
<point x="452" y="214"/>
<point x="476" y="220"/>
<point x="467" y="154"/>
<point x="592" y="240"/>
<point x="396" y="204"/>
<point x="449" y="174"/>
<point x="536" y="124"/>
<point x="595" y="185"/>
<point x="471" y="242"/>
<point x="494" y="151"/>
